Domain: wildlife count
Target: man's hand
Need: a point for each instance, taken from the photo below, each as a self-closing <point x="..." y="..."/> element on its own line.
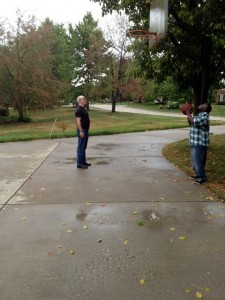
<point x="81" y="134"/>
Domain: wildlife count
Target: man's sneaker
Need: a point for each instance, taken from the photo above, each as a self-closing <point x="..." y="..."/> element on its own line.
<point x="87" y="164"/>
<point x="200" y="180"/>
<point x="82" y="167"/>
<point x="193" y="177"/>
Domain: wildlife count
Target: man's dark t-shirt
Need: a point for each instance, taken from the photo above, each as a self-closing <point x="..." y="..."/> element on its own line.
<point x="82" y="113"/>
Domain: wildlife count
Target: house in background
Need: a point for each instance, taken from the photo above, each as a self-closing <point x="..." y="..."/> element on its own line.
<point x="220" y="96"/>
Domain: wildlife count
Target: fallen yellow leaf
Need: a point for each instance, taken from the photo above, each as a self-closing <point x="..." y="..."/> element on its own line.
<point x="188" y="290"/>
<point x="143" y="281"/>
<point x="99" y="240"/>
<point x="85" y="227"/>
<point x="207" y="289"/>
<point x="69" y="230"/>
<point x="172" y="228"/>
<point x="72" y="252"/>
<point x="182" y="237"/>
<point x="126" y="242"/>
<point x="199" y="295"/>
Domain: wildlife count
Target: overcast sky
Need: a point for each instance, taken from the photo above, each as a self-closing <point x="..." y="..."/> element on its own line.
<point x="66" y="11"/>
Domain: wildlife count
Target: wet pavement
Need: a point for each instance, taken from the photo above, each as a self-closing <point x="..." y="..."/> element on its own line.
<point x="131" y="226"/>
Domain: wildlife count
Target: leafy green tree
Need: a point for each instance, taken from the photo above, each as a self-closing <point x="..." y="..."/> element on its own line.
<point x="26" y="78"/>
<point x="88" y="48"/>
<point x="62" y="64"/>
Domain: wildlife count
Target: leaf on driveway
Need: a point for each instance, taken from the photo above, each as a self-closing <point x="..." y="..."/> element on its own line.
<point x="72" y="251"/>
<point x="140" y="223"/>
<point x="143" y="281"/>
<point x="69" y="230"/>
<point x="172" y="229"/>
<point x="85" y="227"/>
<point x="199" y="295"/>
<point x="126" y="242"/>
<point x="183" y="237"/>
<point x="99" y="240"/>
<point x="188" y="290"/>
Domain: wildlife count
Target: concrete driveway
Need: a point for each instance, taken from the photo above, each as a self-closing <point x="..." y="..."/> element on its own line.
<point x="131" y="227"/>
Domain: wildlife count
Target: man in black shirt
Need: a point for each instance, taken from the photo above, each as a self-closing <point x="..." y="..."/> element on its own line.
<point x="83" y="124"/>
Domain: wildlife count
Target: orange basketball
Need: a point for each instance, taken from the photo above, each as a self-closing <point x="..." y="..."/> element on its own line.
<point x="185" y="106"/>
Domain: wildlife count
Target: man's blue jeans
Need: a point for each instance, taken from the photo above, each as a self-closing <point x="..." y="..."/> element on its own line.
<point x="198" y="157"/>
<point x="81" y="148"/>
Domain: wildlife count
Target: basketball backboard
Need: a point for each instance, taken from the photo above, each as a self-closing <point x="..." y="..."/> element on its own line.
<point x="158" y="23"/>
<point x="158" y="19"/>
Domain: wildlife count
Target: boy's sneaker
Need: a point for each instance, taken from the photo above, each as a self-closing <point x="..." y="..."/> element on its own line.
<point x="193" y="177"/>
<point x="200" y="180"/>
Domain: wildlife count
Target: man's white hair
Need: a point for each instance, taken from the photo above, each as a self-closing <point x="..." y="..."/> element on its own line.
<point x="80" y="98"/>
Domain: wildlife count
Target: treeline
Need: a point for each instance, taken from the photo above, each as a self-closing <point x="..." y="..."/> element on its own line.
<point x="46" y="64"/>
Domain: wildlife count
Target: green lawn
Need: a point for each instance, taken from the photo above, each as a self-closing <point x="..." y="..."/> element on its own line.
<point x="217" y="110"/>
<point x="179" y="154"/>
<point x="59" y="122"/>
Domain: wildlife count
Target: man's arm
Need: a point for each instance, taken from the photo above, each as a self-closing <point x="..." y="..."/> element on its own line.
<point x="79" y="126"/>
<point x="78" y="122"/>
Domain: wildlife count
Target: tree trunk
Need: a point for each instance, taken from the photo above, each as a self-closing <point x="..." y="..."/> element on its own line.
<point x="21" y="115"/>
<point x="113" y="102"/>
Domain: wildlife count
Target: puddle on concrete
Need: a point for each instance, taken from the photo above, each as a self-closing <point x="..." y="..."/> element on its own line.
<point x="102" y="161"/>
<point x="153" y="220"/>
<point x="106" y="147"/>
<point x="81" y="216"/>
<point x="71" y="160"/>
